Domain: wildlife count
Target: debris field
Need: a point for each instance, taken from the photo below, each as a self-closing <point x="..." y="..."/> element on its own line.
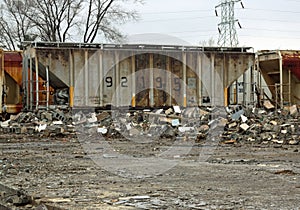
<point x="251" y="159"/>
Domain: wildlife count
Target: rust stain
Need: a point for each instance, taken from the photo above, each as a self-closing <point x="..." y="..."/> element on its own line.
<point x="291" y="61"/>
<point x="165" y="90"/>
<point x="13" y="57"/>
<point x="13" y="65"/>
<point x="14" y="108"/>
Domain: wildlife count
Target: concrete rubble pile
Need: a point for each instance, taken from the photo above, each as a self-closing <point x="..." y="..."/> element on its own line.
<point x="234" y="123"/>
<point x="266" y="125"/>
<point x="41" y="122"/>
<point x="168" y="123"/>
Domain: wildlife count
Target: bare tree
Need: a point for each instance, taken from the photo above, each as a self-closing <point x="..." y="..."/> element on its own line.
<point x="14" y="26"/>
<point x="53" y="18"/>
<point x="102" y="14"/>
<point x="6" y="39"/>
<point x="209" y="43"/>
<point x="61" y="20"/>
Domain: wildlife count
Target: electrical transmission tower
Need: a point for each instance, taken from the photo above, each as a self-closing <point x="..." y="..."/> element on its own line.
<point x="227" y="31"/>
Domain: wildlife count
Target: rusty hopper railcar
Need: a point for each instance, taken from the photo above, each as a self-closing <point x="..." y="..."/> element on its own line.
<point x="101" y="75"/>
<point x="11" y="82"/>
<point x="1" y="80"/>
<point x="281" y="71"/>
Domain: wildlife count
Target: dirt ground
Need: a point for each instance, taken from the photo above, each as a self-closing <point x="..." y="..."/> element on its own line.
<point x="59" y="173"/>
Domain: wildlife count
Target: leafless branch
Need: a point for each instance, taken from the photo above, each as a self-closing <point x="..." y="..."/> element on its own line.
<point x="59" y="20"/>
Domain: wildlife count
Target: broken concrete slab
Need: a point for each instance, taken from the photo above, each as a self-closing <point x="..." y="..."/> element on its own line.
<point x="175" y="122"/>
<point x="168" y="132"/>
<point x="102" y="130"/>
<point x="47" y="116"/>
<point x="293" y="142"/>
<point x="232" y="125"/>
<point x="268" y="105"/>
<point x="58" y="115"/>
<point x="244" y="126"/>
<point x="177" y="109"/>
<point x="92" y="118"/>
<point x="244" y="118"/>
<point x="237" y="113"/>
<point x="169" y="111"/>
<point x="293" y="110"/>
<point x="102" y="116"/>
<point x="41" y="127"/>
<point x="5" y="124"/>
<point x="185" y="129"/>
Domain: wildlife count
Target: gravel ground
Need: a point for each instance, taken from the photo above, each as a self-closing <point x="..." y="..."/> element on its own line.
<point x="62" y="173"/>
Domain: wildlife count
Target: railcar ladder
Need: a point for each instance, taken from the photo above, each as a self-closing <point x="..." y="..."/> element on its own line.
<point x="38" y="88"/>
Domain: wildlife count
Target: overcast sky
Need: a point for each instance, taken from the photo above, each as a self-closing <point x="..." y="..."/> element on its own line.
<point x="266" y="24"/>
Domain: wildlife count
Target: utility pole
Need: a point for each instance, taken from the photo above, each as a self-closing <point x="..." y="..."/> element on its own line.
<point x="227" y="31"/>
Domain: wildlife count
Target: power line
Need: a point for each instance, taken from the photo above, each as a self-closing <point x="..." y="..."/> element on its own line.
<point x="171" y="19"/>
<point x="205" y="17"/>
<point x="186" y="36"/>
<point x="210" y="10"/>
<point x="183" y="32"/>
<point x="270" y="20"/>
<point x="271" y="37"/>
<point x="293" y="1"/>
<point x="202" y="31"/>
<point x="274" y="30"/>
<point x="175" y="12"/>
<point x="273" y="10"/>
<point x="227" y="30"/>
